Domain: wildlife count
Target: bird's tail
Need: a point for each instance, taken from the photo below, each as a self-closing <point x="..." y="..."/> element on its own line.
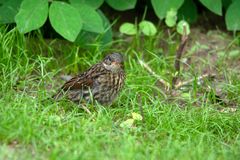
<point x="55" y="97"/>
<point x="58" y="95"/>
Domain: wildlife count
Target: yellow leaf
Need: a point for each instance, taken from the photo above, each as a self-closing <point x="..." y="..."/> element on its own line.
<point x="127" y="124"/>
<point x="137" y="116"/>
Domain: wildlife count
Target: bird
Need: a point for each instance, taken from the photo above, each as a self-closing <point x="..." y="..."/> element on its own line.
<point x="102" y="82"/>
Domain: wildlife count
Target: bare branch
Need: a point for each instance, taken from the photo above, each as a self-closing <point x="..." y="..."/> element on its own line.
<point x="179" y="55"/>
<point x="162" y="81"/>
<point x="85" y="109"/>
<point x="184" y="83"/>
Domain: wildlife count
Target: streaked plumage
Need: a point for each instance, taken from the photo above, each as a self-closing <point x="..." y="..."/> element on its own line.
<point x="102" y="82"/>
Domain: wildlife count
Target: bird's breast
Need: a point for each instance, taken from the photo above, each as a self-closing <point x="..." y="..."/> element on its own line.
<point x="107" y="86"/>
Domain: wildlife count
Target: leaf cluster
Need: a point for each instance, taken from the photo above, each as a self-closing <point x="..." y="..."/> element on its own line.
<point x="82" y="20"/>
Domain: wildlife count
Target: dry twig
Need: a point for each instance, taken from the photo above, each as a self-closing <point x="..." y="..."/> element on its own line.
<point x="86" y="109"/>
<point x="179" y="55"/>
<point x="162" y="81"/>
<point x="184" y="83"/>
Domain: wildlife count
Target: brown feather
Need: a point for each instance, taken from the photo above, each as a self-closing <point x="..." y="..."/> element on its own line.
<point x="77" y="83"/>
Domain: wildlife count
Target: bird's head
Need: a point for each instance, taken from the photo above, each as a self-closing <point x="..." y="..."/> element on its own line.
<point x="113" y="62"/>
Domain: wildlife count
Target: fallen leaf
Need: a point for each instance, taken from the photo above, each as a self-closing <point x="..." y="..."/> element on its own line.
<point x="137" y="116"/>
<point x="228" y="110"/>
<point x="127" y="124"/>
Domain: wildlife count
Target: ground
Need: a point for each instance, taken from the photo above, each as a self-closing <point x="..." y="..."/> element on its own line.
<point x="198" y="120"/>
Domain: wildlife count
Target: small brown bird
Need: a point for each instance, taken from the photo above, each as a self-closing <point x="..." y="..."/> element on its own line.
<point x="102" y="82"/>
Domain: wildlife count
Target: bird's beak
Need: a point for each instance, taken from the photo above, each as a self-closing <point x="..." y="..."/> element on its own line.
<point x="117" y="64"/>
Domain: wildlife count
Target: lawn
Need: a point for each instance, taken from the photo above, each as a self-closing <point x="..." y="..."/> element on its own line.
<point x="198" y="121"/>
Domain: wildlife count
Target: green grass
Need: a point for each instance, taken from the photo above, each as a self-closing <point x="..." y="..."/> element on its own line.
<point x="33" y="129"/>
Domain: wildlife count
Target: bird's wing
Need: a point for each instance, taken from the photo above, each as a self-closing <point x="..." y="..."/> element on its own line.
<point x="85" y="79"/>
<point x="78" y="82"/>
<point x="82" y="81"/>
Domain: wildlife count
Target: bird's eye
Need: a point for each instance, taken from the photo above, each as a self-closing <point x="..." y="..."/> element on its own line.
<point x="108" y="61"/>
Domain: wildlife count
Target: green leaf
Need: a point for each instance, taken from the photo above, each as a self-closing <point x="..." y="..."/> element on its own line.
<point x="8" y="10"/>
<point x="121" y="5"/>
<point x="32" y="15"/>
<point x="186" y="96"/>
<point x="54" y="119"/>
<point x="128" y="29"/>
<point x="180" y="27"/>
<point x="213" y="5"/>
<point x="226" y="3"/>
<point x="86" y="39"/>
<point x="162" y="6"/>
<point x="147" y="28"/>
<point x="221" y="53"/>
<point x="92" y="21"/>
<point x="188" y="11"/>
<point x="234" y="54"/>
<point x="171" y="18"/>
<point x="65" y="19"/>
<point x="93" y="3"/>
<point x="107" y="35"/>
<point x="232" y="17"/>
